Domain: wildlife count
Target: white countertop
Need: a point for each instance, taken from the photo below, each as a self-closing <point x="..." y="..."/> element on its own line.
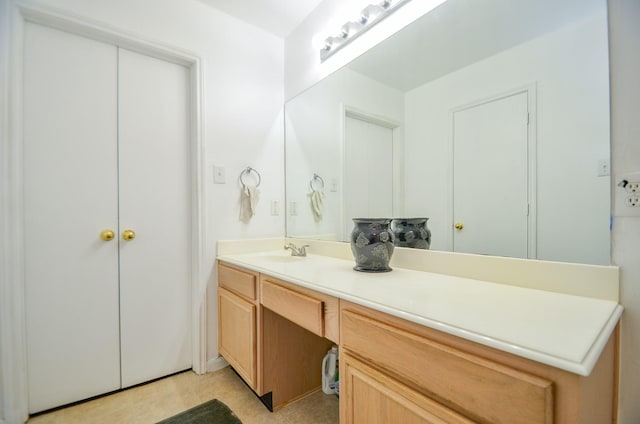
<point x="561" y="330"/>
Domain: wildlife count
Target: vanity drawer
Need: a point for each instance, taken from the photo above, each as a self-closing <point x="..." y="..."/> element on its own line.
<point x="303" y="310"/>
<point x="469" y="384"/>
<point x="239" y="281"/>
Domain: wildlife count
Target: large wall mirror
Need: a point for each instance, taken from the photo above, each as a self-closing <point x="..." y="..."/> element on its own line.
<point x="490" y="118"/>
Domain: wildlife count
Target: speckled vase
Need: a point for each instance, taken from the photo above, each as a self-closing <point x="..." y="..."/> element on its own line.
<point x="372" y="244"/>
<point x="411" y="232"/>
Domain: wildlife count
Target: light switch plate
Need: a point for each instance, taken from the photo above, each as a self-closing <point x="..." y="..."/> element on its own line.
<point x="219" y="174"/>
<point x="603" y="168"/>
<point x="275" y="208"/>
<point x="627" y="194"/>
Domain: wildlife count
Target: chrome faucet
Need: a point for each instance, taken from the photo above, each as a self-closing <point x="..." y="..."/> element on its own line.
<point x="297" y="251"/>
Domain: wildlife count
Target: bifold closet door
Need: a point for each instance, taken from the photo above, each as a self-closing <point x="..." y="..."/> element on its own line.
<point x="369" y="189"/>
<point x="106" y="149"/>
<point x="155" y="199"/>
<point x="70" y="196"/>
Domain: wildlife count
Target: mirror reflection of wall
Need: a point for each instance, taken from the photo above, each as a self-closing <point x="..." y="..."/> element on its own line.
<point x="440" y="82"/>
<point x="315" y="143"/>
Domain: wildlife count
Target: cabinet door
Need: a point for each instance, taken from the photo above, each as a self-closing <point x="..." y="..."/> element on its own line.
<point x="237" y="341"/>
<point x="370" y="397"/>
<point x="485" y="389"/>
<point x="155" y="202"/>
<point x="70" y="196"/>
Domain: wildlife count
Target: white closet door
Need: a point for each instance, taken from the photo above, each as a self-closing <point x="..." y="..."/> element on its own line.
<point x="70" y="196"/>
<point x="155" y="199"/>
<point x="369" y="179"/>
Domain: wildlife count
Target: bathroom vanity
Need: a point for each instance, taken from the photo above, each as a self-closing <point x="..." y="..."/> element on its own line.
<point x="419" y="346"/>
<point x="277" y="354"/>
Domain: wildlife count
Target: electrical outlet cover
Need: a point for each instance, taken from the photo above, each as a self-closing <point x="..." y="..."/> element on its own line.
<point x="633" y="201"/>
<point x="627" y="194"/>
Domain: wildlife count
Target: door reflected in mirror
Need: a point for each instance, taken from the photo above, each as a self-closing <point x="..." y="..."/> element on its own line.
<point x="493" y="115"/>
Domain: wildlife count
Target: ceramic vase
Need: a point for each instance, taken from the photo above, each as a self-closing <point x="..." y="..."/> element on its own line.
<point x="411" y="232"/>
<point x="372" y="244"/>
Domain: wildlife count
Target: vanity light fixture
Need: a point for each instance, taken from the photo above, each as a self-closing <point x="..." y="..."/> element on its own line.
<point x="369" y="17"/>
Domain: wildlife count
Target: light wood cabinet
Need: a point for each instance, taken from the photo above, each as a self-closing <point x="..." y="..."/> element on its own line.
<point x="238" y="328"/>
<point x="317" y="312"/>
<point x="240" y="281"/>
<point x="306" y="311"/>
<point x="392" y="364"/>
<point x="273" y="333"/>
<point x="299" y="327"/>
<point x="237" y="335"/>
<point x="375" y="398"/>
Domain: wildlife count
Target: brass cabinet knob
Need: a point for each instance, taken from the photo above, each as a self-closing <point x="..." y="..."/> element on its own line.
<point x="107" y="235"/>
<point x="128" y="234"/>
<point x="459" y="226"/>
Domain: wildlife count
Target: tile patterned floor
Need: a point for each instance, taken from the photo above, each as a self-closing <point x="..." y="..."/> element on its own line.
<point x="161" y="399"/>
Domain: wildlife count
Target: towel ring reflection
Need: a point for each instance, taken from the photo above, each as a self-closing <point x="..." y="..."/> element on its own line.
<point x="316" y="179"/>
<point x="247" y="171"/>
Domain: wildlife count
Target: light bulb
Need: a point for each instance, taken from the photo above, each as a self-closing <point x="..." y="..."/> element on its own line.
<point x="371" y="12"/>
<point x="360" y="23"/>
<point x="350" y="28"/>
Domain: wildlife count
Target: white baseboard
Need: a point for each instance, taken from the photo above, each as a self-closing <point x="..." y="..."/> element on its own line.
<point x="216" y="364"/>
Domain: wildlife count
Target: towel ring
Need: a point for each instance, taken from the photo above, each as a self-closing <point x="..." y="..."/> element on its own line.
<point x="316" y="178"/>
<point x="247" y="171"/>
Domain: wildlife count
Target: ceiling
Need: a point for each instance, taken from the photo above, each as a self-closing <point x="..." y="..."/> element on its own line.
<point x="278" y="17"/>
<point x="461" y="32"/>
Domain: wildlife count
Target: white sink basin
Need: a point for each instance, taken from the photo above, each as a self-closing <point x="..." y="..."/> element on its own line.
<point x="284" y="258"/>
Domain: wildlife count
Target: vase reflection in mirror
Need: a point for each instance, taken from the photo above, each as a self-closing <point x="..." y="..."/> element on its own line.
<point x="372" y="244"/>
<point x="411" y="232"/>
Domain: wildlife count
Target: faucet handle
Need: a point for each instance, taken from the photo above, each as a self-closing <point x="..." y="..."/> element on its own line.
<point x="296" y="251"/>
<point x="302" y="251"/>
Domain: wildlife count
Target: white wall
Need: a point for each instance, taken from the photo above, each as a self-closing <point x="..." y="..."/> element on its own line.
<point x="569" y="68"/>
<point x="624" y="41"/>
<point x="7" y="398"/>
<point x="242" y="106"/>
<point x="314" y="131"/>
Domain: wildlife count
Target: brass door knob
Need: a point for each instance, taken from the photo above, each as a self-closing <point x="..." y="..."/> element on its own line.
<point x="459" y="226"/>
<point x="128" y="234"/>
<point x="107" y="235"/>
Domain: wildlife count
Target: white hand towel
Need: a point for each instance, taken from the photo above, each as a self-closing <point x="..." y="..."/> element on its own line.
<point x="317" y="206"/>
<point x="248" y="202"/>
